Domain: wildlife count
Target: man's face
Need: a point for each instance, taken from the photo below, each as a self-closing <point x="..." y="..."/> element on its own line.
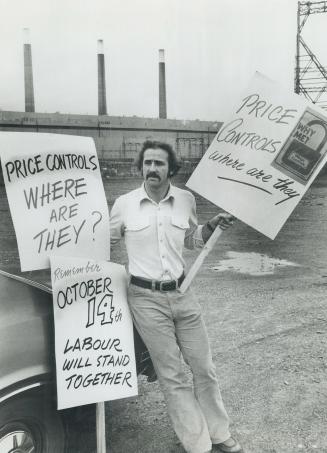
<point x="155" y="167"/>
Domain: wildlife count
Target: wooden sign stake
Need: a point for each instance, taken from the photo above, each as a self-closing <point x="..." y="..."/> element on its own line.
<point x="101" y="428"/>
<point x="198" y="262"/>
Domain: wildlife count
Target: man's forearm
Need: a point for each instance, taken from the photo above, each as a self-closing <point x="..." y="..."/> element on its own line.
<point x="207" y="231"/>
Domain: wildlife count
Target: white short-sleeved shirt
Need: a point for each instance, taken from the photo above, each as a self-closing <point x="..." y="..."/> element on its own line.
<point x="155" y="233"/>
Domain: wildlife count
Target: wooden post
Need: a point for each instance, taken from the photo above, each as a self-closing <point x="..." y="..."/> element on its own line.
<point x="101" y="428"/>
<point x="198" y="262"/>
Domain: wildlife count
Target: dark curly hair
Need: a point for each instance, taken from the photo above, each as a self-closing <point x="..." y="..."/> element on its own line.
<point x="173" y="162"/>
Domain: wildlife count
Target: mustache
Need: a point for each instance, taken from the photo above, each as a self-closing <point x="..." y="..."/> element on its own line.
<point x="152" y="174"/>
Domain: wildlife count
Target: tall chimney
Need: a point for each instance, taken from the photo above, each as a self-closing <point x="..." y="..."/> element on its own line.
<point x="162" y="85"/>
<point x="102" y="101"/>
<point x="28" y="73"/>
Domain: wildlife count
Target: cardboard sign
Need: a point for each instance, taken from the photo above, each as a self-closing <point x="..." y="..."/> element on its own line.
<point x="56" y="197"/>
<point x="94" y="342"/>
<point x="264" y="157"/>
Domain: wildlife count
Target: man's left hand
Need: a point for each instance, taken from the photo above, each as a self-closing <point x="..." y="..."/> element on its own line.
<point x="223" y="220"/>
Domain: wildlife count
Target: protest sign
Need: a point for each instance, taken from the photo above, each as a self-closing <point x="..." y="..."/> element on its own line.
<point x="264" y="157"/>
<point x="93" y="332"/>
<point x="56" y="196"/>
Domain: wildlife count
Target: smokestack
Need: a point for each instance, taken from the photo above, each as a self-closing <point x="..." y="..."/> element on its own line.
<point x="28" y="73"/>
<point x="102" y="101"/>
<point x="162" y="85"/>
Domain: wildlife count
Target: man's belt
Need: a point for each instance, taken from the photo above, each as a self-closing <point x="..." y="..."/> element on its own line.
<point x="164" y="285"/>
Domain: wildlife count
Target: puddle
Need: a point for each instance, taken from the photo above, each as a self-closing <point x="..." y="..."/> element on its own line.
<point x="251" y="263"/>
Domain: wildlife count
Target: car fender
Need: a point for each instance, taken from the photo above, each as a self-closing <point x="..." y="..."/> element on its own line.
<point x="26" y="334"/>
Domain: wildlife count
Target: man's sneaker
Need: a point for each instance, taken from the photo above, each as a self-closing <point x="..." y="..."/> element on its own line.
<point x="229" y="446"/>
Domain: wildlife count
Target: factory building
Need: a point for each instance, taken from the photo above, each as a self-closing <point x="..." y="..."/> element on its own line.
<point x="117" y="138"/>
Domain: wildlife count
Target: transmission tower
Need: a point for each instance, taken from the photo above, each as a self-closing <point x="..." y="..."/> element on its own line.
<point x="310" y="74"/>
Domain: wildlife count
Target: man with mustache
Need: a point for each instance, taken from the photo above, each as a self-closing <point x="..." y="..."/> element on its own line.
<point x="157" y="220"/>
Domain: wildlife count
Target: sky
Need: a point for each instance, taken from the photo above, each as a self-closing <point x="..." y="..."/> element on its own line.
<point x="212" y="50"/>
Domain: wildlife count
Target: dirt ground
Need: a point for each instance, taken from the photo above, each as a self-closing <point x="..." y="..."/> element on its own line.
<point x="268" y="334"/>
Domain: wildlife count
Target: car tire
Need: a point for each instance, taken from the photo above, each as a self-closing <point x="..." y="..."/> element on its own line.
<point x="30" y="422"/>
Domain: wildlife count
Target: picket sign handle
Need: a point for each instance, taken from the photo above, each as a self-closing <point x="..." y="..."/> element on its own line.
<point x="198" y="262"/>
<point x="101" y="428"/>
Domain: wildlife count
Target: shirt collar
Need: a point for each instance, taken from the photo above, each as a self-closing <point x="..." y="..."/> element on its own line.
<point x="171" y="194"/>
